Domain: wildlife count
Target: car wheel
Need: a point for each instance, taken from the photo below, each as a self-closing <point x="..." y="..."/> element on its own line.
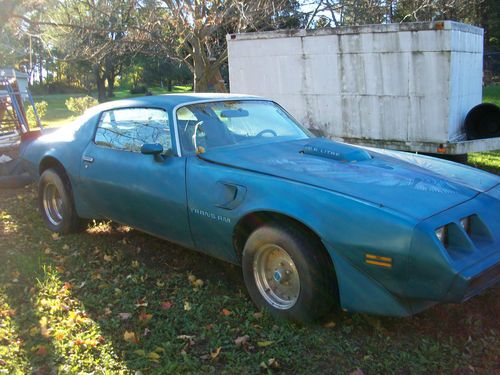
<point x="55" y="201"/>
<point x="287" y="272"/>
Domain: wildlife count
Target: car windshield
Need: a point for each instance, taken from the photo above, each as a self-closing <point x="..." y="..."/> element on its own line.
<point x="204" y="126"/>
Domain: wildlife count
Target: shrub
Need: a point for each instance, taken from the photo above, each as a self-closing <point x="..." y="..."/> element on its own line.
<point x="79" y="105"/>
<point x="41" y="109"/>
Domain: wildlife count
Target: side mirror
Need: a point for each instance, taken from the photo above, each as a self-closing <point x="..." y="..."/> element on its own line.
<point x="154" y="149"/>
<point x="151" y="149"/>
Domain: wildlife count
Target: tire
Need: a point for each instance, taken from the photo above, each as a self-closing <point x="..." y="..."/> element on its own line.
<point x="55" y="201"/>
<point x="276" y="289"/>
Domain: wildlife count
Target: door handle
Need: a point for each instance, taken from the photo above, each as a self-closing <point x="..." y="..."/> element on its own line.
<point x="88" y="159"/>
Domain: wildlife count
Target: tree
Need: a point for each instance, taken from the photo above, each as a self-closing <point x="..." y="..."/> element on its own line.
<point x="95" y="31"/>
<point x="194" y="31"/>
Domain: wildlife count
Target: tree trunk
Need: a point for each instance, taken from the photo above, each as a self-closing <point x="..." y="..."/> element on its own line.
<point x="100" y="81"/>
<point x="110" y="77"/>
<point x="40" y="64"/>
<point x="207" y="78"/>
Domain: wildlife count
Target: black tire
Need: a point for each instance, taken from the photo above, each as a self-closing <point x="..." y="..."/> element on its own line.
<point x="318" y="289"/>
<point x="58" y="182"/>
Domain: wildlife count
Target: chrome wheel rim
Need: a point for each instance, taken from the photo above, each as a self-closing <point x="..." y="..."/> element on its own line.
<point x="276" y="276"/>
<point x="52" y="204"/>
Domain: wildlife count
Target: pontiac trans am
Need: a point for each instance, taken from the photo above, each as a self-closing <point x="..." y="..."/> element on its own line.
<point x="312" y="222"/>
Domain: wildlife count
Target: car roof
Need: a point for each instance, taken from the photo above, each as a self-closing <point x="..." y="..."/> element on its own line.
<point x="169" y="101"/>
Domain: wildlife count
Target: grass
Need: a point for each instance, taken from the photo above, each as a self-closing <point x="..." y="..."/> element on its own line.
<point x="114" y="300"/>
<point x="491" y="94"/>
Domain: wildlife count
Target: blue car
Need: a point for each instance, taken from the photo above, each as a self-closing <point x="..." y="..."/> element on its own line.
<point x="312" y="222"/>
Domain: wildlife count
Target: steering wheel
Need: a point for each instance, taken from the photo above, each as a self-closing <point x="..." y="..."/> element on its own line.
<point x="270" y="131"/>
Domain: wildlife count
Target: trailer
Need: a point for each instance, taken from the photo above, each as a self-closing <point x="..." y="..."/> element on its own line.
<point x="408" y="86"/>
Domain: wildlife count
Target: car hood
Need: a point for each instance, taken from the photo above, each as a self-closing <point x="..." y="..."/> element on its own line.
<point x="415" y="185"/>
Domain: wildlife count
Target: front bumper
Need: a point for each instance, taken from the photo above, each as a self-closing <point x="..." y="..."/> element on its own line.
<point x="474" y="280"/>
<point x="435" y="274"/>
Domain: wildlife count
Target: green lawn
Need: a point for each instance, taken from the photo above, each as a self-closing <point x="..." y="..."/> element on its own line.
<point x="491" y="94"/>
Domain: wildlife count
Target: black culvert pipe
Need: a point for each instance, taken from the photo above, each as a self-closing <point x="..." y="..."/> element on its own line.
<point x="483" y="121"/>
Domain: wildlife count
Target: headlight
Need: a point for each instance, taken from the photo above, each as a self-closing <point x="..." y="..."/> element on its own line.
<point x="442" y="235"/>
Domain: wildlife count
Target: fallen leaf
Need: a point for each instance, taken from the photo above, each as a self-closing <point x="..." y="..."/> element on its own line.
<point x="135" y="264"/>
<point x="215" y="353"/>
<point x="225" y="312"/>
<point x="124" y="315"/>
<point x="242" y="340"/>
<point x="187" y="306"/>
<point x="263" y="344"/>
<point x="160" y="283"/>
<point x="45" y="332"/>
<point x="55" y="236"/>
<point x="108" y="258"/>
<point x="191" y="278"/>
<point x="65" y="247"/>
<point x="198" y="283"/>
<point x="79" y="342"/>
<point x="153" y="356"/>
<point x="41" y="351"/>
<point x="130" y="337"/>
<point x="330" y="324"/>
<point x="272" y="363"/>
<point x="145" y="317"/>
<point x="188" y="338"/>
<point x="107" y="311"/>
<point x="140" y="352"/>
<point x="165" y="305"/>
<point x="257" y="315"/>
<point x="9" y="312"/>
<point x="67" y="285"/>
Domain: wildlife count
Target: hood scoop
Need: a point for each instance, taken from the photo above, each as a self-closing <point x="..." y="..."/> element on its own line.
<point x="336" y="151"/>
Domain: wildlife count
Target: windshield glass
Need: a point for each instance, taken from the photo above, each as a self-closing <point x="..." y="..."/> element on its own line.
<point x="204" y="126"/>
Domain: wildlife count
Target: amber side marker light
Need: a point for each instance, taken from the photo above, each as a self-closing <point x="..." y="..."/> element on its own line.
<point x="378" y="260"/>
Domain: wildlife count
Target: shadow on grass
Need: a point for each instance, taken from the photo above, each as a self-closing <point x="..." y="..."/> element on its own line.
<point x="118" y="300"/>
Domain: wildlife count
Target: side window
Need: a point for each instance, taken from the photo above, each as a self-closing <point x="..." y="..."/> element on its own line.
<point x="128" y="129"/>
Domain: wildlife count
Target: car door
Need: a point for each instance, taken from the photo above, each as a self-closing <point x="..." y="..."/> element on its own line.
<point x="120" y="183"/>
